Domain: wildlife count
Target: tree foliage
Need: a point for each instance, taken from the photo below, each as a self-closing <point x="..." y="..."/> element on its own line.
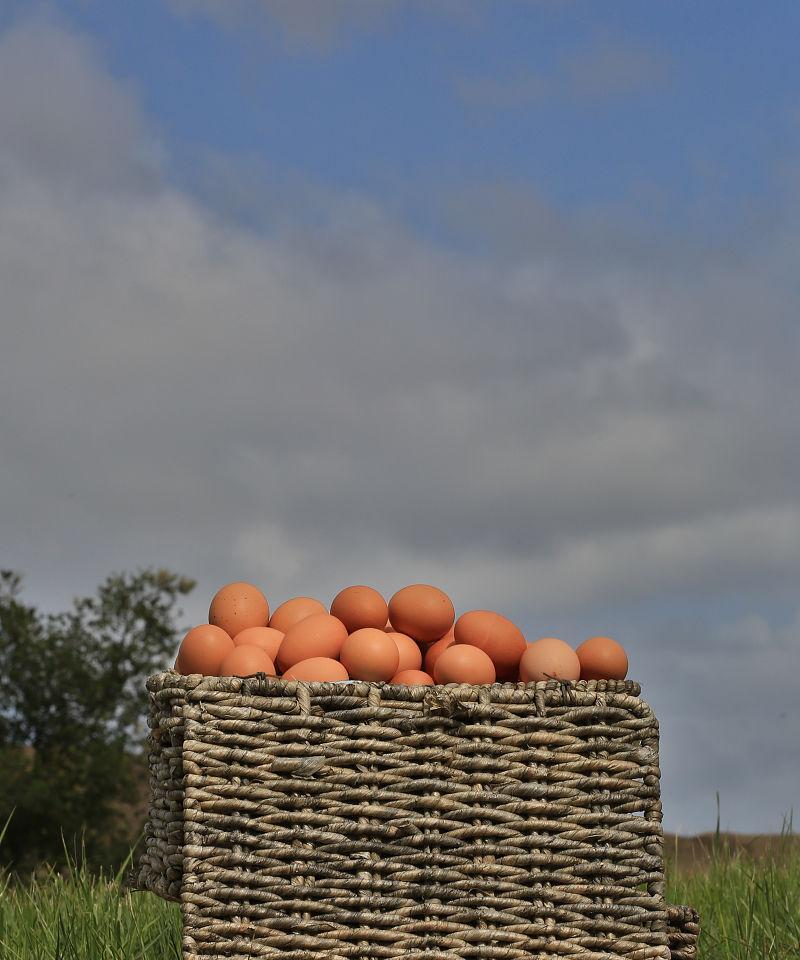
<point x="73" y="709"/>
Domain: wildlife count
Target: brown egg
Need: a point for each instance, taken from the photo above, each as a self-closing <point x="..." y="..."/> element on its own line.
<point x="317" y="670"/>
<point x="602" y="658"/>
<point x="497" y="636"/>
<point x="370" y="654"/>
<point x="318" y="635"/>
<point x="549" y="658"/>
<point x="359" y="607"/>
<point x="267" y="638"/>
<point x="245" y="660"/>
<point x="293" y="611"/>
<point x="203" y="649"/>
<point x="422" y="612"/>
<point x="412" y="678"/>
<point x="435" y="650"/>
<point x="463" y="663"/>
<point x="238" y="606"/>
<point x="410" y="653"/>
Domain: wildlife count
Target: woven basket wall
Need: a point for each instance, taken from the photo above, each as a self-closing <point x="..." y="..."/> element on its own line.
<point x="684" y="932"/>
<point x="363" y="820"/>
<point x="160" y="867"/>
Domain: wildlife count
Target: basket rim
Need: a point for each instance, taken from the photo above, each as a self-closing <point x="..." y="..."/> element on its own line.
<point x="197" y="683"/>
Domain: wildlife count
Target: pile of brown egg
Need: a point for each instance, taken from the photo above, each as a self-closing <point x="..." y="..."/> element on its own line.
<point x="415" y="638"/>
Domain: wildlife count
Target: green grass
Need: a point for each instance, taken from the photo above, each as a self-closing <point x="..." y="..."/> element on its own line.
<point x="748" y="912"/>
<point x="77" y="919"/>
<point x="75" y="915"/>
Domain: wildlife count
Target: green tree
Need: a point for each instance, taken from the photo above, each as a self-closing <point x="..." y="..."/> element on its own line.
<point x="73" y="710"/>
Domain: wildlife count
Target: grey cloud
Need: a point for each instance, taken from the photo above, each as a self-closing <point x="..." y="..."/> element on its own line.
<point x="729" y="720"/>
<point x="551" y="429"/>
<point x="62" y="122"/>
<point x="600" y="69"/>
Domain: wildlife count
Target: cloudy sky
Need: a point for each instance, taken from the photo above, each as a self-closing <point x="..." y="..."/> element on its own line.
<point x="500" y="297"/>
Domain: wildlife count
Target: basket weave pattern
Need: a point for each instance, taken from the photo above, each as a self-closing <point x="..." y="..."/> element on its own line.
<point x="160" y="867"/>
<point x="378" y="821"/>
<point x="684" y="932"/>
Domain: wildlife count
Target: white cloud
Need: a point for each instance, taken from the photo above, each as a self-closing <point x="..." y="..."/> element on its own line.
<point x="581" y="430"/>
<point x="522" y="88"/>
<point x="315" y="24"/>
<point x="609" y="66"/>
<point x="571" y="424"/>
<point x="599" y="69"/>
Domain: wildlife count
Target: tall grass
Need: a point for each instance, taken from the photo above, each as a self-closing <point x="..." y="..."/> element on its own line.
<point x="749" y="911"/>
<point x="76" y="915"/>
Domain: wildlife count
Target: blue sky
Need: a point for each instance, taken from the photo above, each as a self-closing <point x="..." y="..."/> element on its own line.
<point x="497" y="296"/>
<point x="700" y="108"/>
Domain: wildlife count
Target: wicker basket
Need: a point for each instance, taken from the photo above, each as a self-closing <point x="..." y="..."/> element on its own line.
<point x="160" y="868"/>
<point x="684" y="932"/>
<point x="508" y="821"/>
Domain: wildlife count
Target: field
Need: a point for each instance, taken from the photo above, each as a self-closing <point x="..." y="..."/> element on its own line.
<point x="747" y="891"/>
